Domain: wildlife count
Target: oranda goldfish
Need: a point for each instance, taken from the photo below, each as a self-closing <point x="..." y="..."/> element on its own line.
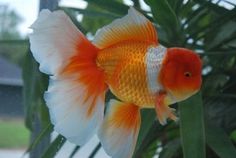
<point x="124" y="57"/>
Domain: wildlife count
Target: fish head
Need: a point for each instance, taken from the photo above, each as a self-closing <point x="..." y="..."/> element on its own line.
<point x="180" y="74"/>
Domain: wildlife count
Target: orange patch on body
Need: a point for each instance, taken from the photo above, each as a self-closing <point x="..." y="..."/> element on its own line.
<point x="125" y="71"/>
<point x="83" y="66"/>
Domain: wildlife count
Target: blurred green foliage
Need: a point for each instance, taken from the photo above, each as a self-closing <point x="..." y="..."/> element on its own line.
<point x="9" y="22"/>
<point x="207" y="122"/>
<point x="12" y="45"/>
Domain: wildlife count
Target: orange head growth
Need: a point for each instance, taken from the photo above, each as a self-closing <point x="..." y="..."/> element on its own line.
<point x="181" y="73"/>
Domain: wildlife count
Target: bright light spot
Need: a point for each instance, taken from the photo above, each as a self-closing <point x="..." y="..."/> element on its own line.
<point x="28" y="10"/>
<point x="199" y="51"/>
<point x="199" y="42"/>
<point x="90" y="36"/>
<point x="183" y="20"/>
<point x="185" y="1"/>
<point x="144" y="6"/>
<point x="206" y="70"/>
<point x="195" y="7"/>
<point x="129" y="2"/>
<point x="74" y="3"/>
<point x="79" y="17"/>
<point x="190" y="41"/>
<point x="227" y="5"/>
<point x="150" y="14"/>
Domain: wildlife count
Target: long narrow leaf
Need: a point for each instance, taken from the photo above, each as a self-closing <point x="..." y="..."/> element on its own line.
<point x="75" y="150"/>
<point x="54" y="147"/>
<point x="92" y="13"/>
<point x="35" y="83"/>
<point x="95" y="150"/>
<point x="213" y="25"/>
<point x="20" y="41"/>
<point x="218" y="140"/>
<point x="166" y="17"/>
<point x="192" y="127"/>
<point x="29" y="67"/>
<point x="111" y="6"/>
<point x="170" y="149"/>
<point x="46" y="131"/>
<point x="147" y="120"/>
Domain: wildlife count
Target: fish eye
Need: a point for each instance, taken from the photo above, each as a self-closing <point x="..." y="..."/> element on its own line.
<point x="187" y="74"/>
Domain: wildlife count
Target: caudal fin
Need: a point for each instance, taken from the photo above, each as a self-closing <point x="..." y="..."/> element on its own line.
<point x="119" y="131"/>
<point x="75" y="96"/>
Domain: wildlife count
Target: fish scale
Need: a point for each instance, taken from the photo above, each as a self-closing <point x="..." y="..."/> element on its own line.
<point x="125" y="72"/>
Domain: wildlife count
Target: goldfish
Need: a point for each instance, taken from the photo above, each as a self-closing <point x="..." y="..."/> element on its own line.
<point x="124" y="57"/>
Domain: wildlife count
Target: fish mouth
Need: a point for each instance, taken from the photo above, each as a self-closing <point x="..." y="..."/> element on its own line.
<point x="183" y="95"/>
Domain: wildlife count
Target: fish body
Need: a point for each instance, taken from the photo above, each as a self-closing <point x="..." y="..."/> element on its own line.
<point x="125" y="69"/>
<point x="125" y="57"/>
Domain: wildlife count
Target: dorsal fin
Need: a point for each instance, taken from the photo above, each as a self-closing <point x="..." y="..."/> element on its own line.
<point x="133" y="26"/>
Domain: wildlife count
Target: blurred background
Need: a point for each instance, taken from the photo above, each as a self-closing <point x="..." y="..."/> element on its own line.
<point x="16" y="16"/>
<point x="206" y="26"/>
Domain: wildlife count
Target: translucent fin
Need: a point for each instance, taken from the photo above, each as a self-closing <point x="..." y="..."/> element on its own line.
<point x="54" y="40"/>
<point x="164" y="111"/>
<point x="133" y="26"/>
<point x="74" y="113"/>
<point x="75" y="96"/>
<point x="119" y="131"/>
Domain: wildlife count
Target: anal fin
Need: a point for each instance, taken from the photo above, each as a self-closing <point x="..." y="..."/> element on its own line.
<point x="119" y="131"/>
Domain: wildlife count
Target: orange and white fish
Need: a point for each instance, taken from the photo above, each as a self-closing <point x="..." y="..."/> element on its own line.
<point x="126" y="58"/>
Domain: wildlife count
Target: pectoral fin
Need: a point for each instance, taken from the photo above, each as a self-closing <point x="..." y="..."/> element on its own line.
<point x="163" y="110"/>
<point x="119" y="131"/>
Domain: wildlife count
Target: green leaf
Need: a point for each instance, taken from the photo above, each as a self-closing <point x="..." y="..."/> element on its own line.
<point x="218" y="19"/>
<point x="151" y="150"/>
<point x="192" y="127"/>
<point x="75" y="150"/>
<point x="214" y="82"/>
<point x="42" y="134"/>
<point x="95" y="150"/>
<point x="166" y="18"/>
<point x="218" y="140"/>
<point x="92" y="23"/>
<point x="233" y="135"/>
<point x="226" y="32"/>
<point x="92" y="13"/>
<point x="29" y="67"/>
<point x="178" y="6"/>
<point x="147" y="119"/>
<point x="34" y="86"/>
<point x="170" y="149"/>
<point x="110" y="6"/>
<point x="54" y="147"/>
<point x="21" y="41"/>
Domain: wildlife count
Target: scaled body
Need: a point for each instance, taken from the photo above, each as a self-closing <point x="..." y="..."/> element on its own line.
<point x="126" y="73"/>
